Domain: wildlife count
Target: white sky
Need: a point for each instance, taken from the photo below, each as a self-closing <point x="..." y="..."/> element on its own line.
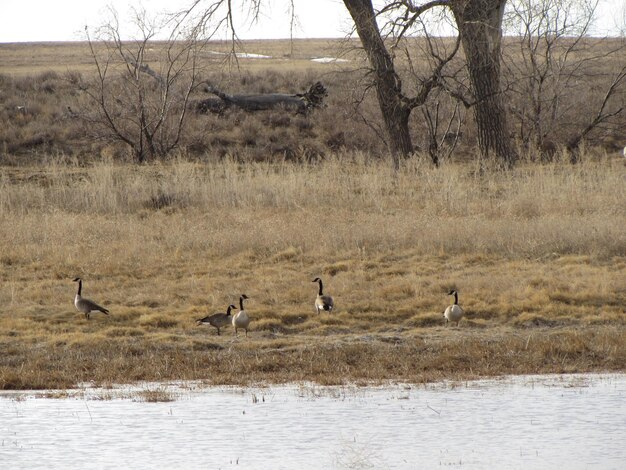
<point x="64" y="20"/>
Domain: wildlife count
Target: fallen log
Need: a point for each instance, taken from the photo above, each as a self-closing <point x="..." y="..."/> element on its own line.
<point x="300" y="103"/>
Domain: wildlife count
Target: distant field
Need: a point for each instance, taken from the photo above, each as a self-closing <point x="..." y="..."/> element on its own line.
<point x="538" y="257"/>
<point x="22" y="59"/>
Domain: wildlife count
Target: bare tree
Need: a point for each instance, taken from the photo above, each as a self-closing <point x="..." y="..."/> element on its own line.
<point x="130" y="101"/>
<point x="551" y="70"/>
<point x="479" y="23"/>
<point x="443" y="132"/>
<point x="394" y="102"/>
<point x="211" y="17"/>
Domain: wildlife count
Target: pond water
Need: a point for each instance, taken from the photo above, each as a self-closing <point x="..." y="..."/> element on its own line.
<point x="568" y="421"/>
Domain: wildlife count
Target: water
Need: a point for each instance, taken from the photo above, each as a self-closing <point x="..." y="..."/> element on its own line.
<point x="572" y="421"/>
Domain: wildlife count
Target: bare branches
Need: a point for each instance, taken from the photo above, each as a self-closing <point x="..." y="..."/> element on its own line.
<point x="602" y="115"/>
<point x="407" y="14"/>
<point x="442" y="144"/>
<point x="130" y="101"/>
<point x="210" y="17"/>
<point x="436" y="75"/>
<point x="557" y="57"/>
<point x="144" y="68"/>
<point x="427" y="68"/>
<point x="293" y="23"/>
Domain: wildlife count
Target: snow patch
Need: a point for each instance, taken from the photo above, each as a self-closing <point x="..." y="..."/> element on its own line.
<point x="243" y="55"/>
<point x="328" y="60"/>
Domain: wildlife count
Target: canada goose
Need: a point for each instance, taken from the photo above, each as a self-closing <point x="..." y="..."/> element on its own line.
<point x="241" y="318"/>
<point x="85" y="305"/>
<point x="217" y="320"/>
<point x="323" y="302"/>
<point x="454" y="312"/>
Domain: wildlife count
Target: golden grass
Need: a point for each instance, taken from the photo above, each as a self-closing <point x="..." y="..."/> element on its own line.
<point x="537" y="254"/>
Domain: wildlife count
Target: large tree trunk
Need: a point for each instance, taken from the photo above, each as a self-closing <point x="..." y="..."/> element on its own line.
<point x="480" y="28"/>
<point x="394" y="109"/>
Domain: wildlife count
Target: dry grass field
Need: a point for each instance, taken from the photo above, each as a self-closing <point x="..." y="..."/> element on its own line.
<point x="261" y="205"/>
<point x="30" y="59"/>
<point x="538" y="256"/>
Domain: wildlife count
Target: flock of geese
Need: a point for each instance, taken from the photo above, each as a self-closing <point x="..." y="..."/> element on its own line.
<point x="241" y="320"/>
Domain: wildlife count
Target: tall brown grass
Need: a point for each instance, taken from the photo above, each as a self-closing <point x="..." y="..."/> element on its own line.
<point x="533" y="211"/>
<point x="537" y="254"/>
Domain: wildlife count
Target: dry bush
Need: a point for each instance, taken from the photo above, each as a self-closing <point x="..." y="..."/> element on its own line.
<point x="35" y="117"/>
<point x="157" y="395"/>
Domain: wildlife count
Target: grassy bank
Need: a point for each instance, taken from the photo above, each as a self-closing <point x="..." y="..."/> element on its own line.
<point x="538" y="256"/>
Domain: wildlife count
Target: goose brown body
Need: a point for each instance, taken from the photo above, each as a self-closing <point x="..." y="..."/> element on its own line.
<point x="86" y="306"/>
<point x="217" y="320"/>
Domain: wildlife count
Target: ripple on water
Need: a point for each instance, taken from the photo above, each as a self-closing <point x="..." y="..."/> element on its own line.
<point x="569" y="421"/>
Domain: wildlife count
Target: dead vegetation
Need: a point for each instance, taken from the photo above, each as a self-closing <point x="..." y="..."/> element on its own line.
<point x="264" y="203"/>
<point x="43" y="107"/>
<point x="537" y="255"/>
